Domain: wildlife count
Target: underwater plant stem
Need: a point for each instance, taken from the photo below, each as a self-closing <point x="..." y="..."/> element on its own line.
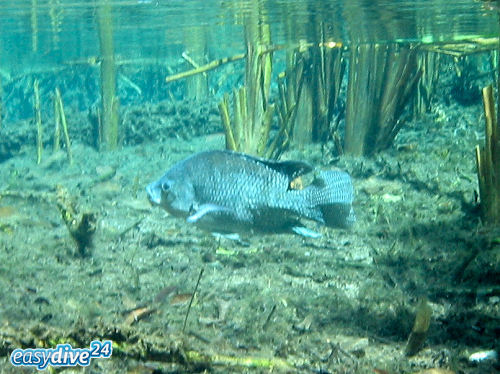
<point x="196" y="42"/>
<point x="420" y="328"/>
<point x="252" y="112"/>
<point x="382" y="78"/>
<point x="226" y="122"/>
<point x="34" y="25"/>
<point x="191" y="300"/>
<point x="290" y="87"/>
<point x="55" y="13"/>
<point x="57" y="126"/>
<point x="303" y="128"/>
<point x="1" y="102"/>
<point x="62" y="116"/>
<point x="38" y="121"/>
<point x="428" y="62"/>
<point x="497" y="76"/>
<point x="201" y="69"/>
<point x="108" y="77"/>
<point x="488" y="162"/>
<point x="322" y="71"/>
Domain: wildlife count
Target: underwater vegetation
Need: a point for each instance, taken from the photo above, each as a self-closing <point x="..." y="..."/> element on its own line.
<point x="488" y="162"/>
<point x="108" y="118"/>
<point x="81" y="225"/>
<point x="420" y="328"/>
<point x="248" y="130"/>
<point x="382" y="81"/>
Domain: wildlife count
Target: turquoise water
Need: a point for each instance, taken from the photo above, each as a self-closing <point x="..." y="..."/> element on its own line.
<point x="47" y="37"/>
<point x="39" y="32"/>
<point x="174" y="299"/>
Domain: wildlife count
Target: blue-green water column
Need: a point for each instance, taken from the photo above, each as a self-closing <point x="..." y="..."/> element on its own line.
<point x="108" y="137"/>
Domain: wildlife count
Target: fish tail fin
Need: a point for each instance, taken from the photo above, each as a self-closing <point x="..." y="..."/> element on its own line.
<point x="331" y="195"/>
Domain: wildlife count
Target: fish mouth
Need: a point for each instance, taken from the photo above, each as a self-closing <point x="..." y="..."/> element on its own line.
<point x="154" y="193"/>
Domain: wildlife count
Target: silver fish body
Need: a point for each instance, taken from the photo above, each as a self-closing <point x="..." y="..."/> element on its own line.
<point x="230" y="192"/>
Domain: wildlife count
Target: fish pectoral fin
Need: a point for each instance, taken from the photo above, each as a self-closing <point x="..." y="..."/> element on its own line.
<point x="304" y="231"/>
<point x="230" y="236"/>
<point x="204" y="210"/>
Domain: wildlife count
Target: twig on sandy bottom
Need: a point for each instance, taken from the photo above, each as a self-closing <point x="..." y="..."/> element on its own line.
<point x="81" y="225"/>
<point x="191" y="301"/>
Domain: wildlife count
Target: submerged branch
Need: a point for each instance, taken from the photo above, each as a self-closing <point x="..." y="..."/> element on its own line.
<point x="201" y="69"/>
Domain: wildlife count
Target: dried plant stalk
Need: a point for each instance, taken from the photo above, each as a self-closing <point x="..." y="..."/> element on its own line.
<point x="248" y="129"/>
<point x="62" y="118"/>
<point x="420" y="328"/>
<point x="38" y="121"/>
<point x="382" y="78"/>
<point x="109" y="120"/>
<point x="57" y="126"/>
<point x="488" y="162"/>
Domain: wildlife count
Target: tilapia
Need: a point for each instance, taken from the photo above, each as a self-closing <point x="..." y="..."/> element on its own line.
<point x="228" y="192"/>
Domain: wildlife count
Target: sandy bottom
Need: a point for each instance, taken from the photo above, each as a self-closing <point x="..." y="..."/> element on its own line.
<point x="344" y="303"/>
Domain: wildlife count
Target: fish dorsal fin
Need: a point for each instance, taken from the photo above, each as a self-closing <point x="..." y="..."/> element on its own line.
<point x="290" y="168"/>
<point x="293" y="169"/>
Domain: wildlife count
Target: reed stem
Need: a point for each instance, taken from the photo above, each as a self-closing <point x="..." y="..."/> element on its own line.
<point x="196" y="42"/>
<point x="488" y="162"/>
<point x="38" y="122"/>
<point x="382" y="79"/>
<point x="109" y="112"/>
<point x="62" y="115"/>
<point x="57" y="125"/>
<point x="34" y="25"/>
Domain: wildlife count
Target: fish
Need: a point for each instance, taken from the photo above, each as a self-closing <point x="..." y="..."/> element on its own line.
<point x="232" y="193"/>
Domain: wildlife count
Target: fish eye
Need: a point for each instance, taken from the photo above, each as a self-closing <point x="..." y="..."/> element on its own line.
<point x="165" y="186"/>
